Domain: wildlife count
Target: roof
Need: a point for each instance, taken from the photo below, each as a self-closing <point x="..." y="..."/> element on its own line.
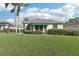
<point x="39" y="24"/>
<point x="5" y="22"/>
<point x="42" y="21"/>
<point x="70" y="23"/>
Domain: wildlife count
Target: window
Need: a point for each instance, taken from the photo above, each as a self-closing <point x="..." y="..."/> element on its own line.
<point x="55" y="26"/>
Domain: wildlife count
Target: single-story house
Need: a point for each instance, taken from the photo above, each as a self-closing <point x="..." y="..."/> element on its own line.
<point x="4" y="25"/>
<point x="42" y="24"/>
<point x="71" y="26"/>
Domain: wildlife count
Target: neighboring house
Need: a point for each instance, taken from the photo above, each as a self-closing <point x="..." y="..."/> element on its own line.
<point x="42" y="24"/>
<point x="5" y="25"/>
<point x="71" y="25"/>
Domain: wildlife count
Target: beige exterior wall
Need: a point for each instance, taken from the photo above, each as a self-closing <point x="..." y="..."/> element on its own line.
<point x="26" y="25"/>
<point x="2" y="27"/>
<point x="60" y="26"/>
<point x="50" y="26"/>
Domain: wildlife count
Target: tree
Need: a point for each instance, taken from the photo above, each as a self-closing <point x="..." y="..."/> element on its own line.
<point x="73" y="20"/>
<point x="16" y="10"/>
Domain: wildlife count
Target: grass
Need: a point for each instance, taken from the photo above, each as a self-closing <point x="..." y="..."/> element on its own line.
<point x="38" y="45"/>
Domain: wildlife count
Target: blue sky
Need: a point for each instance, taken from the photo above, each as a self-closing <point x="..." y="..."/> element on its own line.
<point x="45" y="5"/>
<point x="56" y="11"/>
<point x="6" y="14"/>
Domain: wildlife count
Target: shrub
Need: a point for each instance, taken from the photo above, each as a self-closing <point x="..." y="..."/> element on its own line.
<point x="56" y="31"/>
<point x="76" y="33"/>
<point x="32" y="32"/>
<point x="68" y="32"/>
<point x="4" y="31"/>
<point x="1" y="31"/>
<point x="62" y="32"/>
<point x="27" y="32"/>
<point x="14" y="30"/>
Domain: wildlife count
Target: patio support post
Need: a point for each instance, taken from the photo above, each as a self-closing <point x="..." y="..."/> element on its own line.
<point x="30" y="27"/>
<point x="33" y="28"/>
<point x="38" y="28"/>
<point x="43" y="29"/>
<point x="24" y="27"/>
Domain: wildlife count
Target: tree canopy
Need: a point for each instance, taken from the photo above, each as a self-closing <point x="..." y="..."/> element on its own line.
<point x="73" y="20"/>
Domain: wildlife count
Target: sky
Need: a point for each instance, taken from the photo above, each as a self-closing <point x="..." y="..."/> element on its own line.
<point x="53" y="11"/>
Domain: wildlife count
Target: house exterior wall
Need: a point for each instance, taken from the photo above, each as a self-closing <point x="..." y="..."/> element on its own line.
<point x="50" y="26"/>
<point x="2" y="27"/>
<point x="60" y="26"/>
<point x="72" y="27"/>
<point x="26" y="25"/>
<point x="56" y="26"/>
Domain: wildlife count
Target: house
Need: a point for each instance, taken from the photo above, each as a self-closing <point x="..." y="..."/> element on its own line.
<point x="71" y="26"/>
<point x="42" y="25"/>
<point x="5" y="25"/>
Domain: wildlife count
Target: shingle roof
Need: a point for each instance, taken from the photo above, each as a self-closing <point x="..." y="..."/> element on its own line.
<point x="5" y="22"/>
<point x="42" y="21"/>
<point x="70" y="24"/>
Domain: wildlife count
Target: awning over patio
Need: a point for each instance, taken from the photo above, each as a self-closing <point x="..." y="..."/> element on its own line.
<point x="39" y="24"/>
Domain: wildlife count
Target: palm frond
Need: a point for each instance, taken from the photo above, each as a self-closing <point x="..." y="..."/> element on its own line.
<point x="18" y="10"/>
<point x="13" y="10"/>
<point x="6" y="5"/>
<point x="26" y="5"/>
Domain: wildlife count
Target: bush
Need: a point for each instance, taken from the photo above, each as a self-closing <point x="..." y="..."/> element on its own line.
<point x="69" y="32"/>
<point x="32" y="32"/>
<point x="76" y="33"/>
<point x="62" y="32"/>
<point x="14" y="30"/>
<point x="1" y="31"/>
<point x="56" y="31"/>
<point x="4" y="31"/>
<point x="27" y="32"/>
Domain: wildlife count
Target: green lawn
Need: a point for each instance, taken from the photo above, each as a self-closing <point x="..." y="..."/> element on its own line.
<point x="23" y="44"/>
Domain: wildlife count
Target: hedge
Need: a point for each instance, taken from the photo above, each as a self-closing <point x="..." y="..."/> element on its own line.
<point x="62" y="32"/>
<point x="32" y="32"/>
<point x="9" y="30"/>
<point x="1" y="31"/>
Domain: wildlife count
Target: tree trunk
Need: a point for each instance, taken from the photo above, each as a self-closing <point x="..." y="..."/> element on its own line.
<point x="18" y="23"/>
<point x="15" y="16"/>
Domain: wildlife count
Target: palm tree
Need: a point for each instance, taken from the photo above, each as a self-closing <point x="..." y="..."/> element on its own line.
<point x="16" y="11"/>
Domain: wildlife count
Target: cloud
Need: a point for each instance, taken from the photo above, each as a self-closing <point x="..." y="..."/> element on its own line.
<point x="45" y="13"/>
<point x="61" y="14"/>
<point x="10" y="7"/>
<point x="12" y="21"/>
<point x="66" y="11"/>
<point x="44" y="10"/>
<point x="34" y="9"/>
<point x="2" y="7"/>
<point x="37" y="15"/>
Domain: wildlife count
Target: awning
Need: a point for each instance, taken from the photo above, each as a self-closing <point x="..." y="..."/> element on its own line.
<point x="39" y="24"/>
